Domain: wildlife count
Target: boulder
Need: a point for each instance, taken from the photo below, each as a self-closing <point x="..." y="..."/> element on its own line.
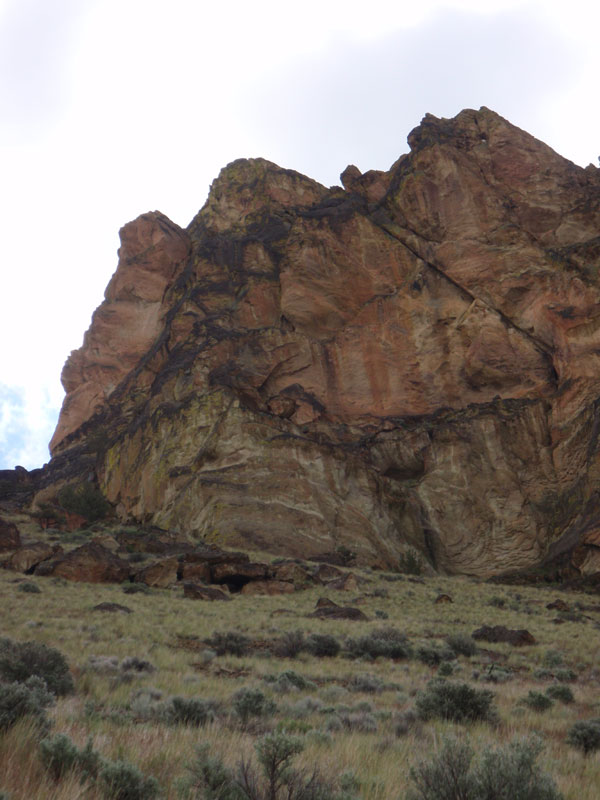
<point x="10" y="538"/>
<point x="27" y="558"/>
<point x="161" y="574"/>
<point x="347" y="583"/>
<point x="91" y="563"/>
<point x="196" y="591"/>
<point x="499" y="633"/>
<point x="239" y="572"/>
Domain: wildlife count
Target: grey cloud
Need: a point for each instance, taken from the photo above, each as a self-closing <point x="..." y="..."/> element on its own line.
<point x="357" y="103"/>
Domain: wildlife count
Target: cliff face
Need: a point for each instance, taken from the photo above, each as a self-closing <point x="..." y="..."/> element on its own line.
<point x="411" y="360"/>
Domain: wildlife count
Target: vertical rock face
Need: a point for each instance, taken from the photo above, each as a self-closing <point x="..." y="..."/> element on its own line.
<point x="410" y="360"/>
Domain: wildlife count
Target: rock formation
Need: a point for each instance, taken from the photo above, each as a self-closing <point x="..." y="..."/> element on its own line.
<point x="412" y="360"/>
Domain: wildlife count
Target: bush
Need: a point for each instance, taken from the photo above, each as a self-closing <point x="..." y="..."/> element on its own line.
<point x="366" y="682"/>
<point x="28" y="699"/>
<point x="86" y="500"/>
<point x="456" y="702"/>
<point x="386" y="642"/>
<point x="208" y="778"/>
<point x="323" y="645"/>
<point x="191" y="711"/>
<point x="565" y="675"/>
<point x="230" y="643"/>
<point x="462" y="644"/>
<point x="561" y="692"/>
<point x="289" y="679"/>
<point x="510" y="773"/>
<point x="29" y="587"/>
<point x="585" y="736"/>
<point x="537" y="701"/>
<point x="290" y="645"/>
<point x="59" y="755"/>
<point x="123" y="781"/>
<point x="507" y="773"/>
<point x="432" y="656"/>
<point x="252" y="703"/>
<point x="410" y="562"/>
<point x="22" y="660"/>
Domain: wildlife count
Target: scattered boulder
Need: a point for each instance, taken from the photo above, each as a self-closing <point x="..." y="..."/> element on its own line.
<point x="26" y="559"/>
<point x="10" y="538"/>
<point x="327" y="609"/>
<point x="161" y="574"/>
<point x="92" y="563"/>
<point x="196" y="591"/>
<point x="347" y="583"/>
<point x="325" y="573"/>
<point x="443" y="598"/>
<point x="558" y="605"/>
<point x="112" y="607"/>
<point x="195" y="571"/>
<point x="292" y="572"/>
<point x="499" y="633"/>
<point x="238" y="573"/>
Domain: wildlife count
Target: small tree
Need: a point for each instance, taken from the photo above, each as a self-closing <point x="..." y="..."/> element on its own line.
<point x="585" y="736"/>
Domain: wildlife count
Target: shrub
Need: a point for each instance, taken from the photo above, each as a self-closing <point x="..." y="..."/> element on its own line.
<point x="537" y="701"/>
<point x="410" y="562"/>
<point x="360" y="721"/>
<point x="365" y="682"/>
<point x="230" y="643"/>
<point x="136" y="588"/>
<point x="252" y="703"/>
<point x="507" y="773"/>
<point x="510" y="773"/>
<point x="585" y="736"/>
<point x="135" y="664"/>
<point x="292" y="680"/>
<point x="29" y="587"/>
<point x="290" y="645"/>
<point x="191" y="711"/>
<point x="208" y="778"/>
<point x="387" y="642"/>
<point x="561" y="692"/>
<point x="462" y="644"/>
<point x="28" y="699"/>
<point x="123" y="781"/>
<point x="553" y="658"/>
<point x="59" y="755"/>
<point x="445" y="776"/>
<point x="22" y="660"/>
<point x="322" y="645"/>
<point x="457" y="702"/>
<point x="565" y="675"/>
<point x="445" y="669"/>
<point x="432" y="656"/>
<point x="86" y="500"/>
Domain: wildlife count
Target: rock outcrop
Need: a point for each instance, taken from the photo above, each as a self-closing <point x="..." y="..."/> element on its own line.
<point x="410" y="361"/>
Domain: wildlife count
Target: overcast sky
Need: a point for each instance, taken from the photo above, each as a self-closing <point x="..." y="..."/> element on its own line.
<point x="111" y="108"/>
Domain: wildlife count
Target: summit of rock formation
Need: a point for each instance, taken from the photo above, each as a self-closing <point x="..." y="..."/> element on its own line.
<point x="410" y="361"/>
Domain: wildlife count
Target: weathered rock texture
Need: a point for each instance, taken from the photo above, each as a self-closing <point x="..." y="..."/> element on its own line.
<point x="411" y="360"/>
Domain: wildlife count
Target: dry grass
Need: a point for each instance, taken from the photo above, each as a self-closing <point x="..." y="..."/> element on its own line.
<point x="168" y="630"/>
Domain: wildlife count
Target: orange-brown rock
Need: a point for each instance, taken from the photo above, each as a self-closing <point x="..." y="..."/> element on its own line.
<point x="27" y="558"/>
<point x="292" y="572"/>
<point x="240" y="572"/>
<point x="347" y="583"/>
<point x="195" y="572"/>
<point x="91" y="563"/>
<point x="408" y="361"/>
<point x="10" y="539"/>
<point x="161" y="574"/>
<point x="196" y="591"/>
<point x="127" y="323"/>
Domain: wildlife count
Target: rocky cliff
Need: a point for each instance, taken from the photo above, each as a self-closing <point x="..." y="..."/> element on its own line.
<point x="410" y="360"/>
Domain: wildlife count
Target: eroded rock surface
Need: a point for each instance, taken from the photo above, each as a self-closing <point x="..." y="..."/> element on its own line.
<point x="411" y="360"/>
